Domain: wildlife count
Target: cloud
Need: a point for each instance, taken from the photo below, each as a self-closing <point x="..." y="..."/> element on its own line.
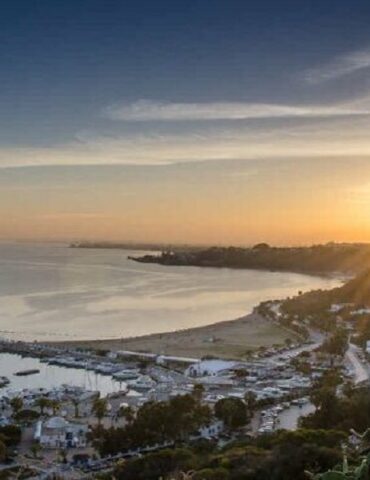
<point x="339" y="67"/>
<point x="359" y="194"/>
<point x="336" y="137"/>
<point x="71" y="216"/>
<point x="147" y="110"/>
<point x="327" y="130"/>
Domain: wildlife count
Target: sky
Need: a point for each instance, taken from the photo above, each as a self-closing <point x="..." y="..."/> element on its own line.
<point x="198" y="121"/>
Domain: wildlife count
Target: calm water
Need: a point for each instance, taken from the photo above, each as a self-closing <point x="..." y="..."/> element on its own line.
<point x="290" y="417"/>
<point x="52" y="376"/>
<point x="54" y="292"/>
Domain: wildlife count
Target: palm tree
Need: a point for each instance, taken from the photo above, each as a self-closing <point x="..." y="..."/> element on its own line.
<point x="42" y="403"/>
<point x="16" y="404"/>
<point x="198" y="391"/>
<point x="55" y="405"/>
<point x="127" y="413"/>
<point x="99" y="408"/>
<point x="250" y="399"/>
<point x="76" y="404"/>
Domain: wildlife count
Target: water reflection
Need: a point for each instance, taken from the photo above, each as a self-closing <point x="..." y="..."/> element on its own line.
<point x="53" y="376"/>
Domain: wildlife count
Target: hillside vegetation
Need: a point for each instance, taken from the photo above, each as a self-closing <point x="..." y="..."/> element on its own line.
<point x="355" y="291"/>
<point x="329" y="258"/>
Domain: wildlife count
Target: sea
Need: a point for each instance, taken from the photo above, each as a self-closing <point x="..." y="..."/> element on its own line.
<point x="53" y="292"/>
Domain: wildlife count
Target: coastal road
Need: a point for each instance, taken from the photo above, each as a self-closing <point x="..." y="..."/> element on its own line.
<point x="316" y="337"/>
<point x="361" y="372"/>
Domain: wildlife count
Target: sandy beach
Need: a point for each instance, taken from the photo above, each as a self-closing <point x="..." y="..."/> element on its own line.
<point x="228" y="339"/>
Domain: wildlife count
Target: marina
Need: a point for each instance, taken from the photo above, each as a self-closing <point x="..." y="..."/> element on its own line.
<point x="52" y="375"/>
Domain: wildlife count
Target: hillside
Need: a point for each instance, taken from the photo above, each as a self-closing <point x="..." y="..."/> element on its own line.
<point x="356" y="291"/>
<point x="329" y="258"/>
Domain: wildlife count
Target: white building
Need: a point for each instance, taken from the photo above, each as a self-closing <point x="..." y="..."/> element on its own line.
<point x="206" y="368"/>
<point x="56" y="432"/>
<point x="213" y="430"/>
<point x="368" y="346"/>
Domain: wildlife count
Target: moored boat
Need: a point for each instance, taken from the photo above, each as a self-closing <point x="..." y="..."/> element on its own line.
<point x="31" y="371"/>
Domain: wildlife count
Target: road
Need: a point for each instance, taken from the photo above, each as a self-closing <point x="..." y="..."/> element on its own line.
<point x="361" y="372"/>
<point x="316" y="337"/>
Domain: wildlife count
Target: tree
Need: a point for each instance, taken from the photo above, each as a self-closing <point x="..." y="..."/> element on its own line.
<point x="339" y="412"/>
<point x="337" y="343"/>
<point x="35" y="449"/>
<point x="232" y="412"/>
<point x="261" y="246"/>
<point x="345" y="472"/>
<point x="198" y="391"/>
<point x="76" y="404"/>
<point x="155" y="423"/>
<point x="63" y="455"/>
<point x="11" y="435"/>
<point x="42" y="403"/>
<point x="127" y="413"/>
<point x="55" y="406"/>
<point x="2" y="451"/>
<point x="156" y="465"/>
<point x="100" y="408"/>
<point x="250" y="399"/>
<point x="16" y="404"/>
<point x="26" y="415"/>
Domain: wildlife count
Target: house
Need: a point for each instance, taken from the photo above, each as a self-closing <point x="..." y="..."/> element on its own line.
<point x="56" y="432"/>
<point x="361" y="311"/>
<point x="212" y="430"/>
<point x="210" y="368"/>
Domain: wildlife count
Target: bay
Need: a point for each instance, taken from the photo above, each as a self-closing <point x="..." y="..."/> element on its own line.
<point x="52" y="292"/>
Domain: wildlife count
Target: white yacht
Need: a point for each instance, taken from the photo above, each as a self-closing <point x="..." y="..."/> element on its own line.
<point x="127" y="374"/>
<point x="144" y="382"/>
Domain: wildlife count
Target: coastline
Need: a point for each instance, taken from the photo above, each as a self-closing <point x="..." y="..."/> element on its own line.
<point x="232" y="339"/>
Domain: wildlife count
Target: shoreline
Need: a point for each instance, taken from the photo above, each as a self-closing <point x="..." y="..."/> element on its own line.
<point x="230" y="339"/>
<point x="343" y="276"/>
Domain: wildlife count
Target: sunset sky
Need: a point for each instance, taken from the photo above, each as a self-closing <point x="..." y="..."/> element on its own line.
<point x="197" y="121"/>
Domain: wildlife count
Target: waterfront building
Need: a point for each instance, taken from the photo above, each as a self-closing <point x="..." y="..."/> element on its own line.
<point x="56" y="432"/>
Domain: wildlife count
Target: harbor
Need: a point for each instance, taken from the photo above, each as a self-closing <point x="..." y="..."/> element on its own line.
<point x="52" y="376"/>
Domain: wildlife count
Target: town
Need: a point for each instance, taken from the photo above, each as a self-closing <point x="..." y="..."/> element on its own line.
<point x="68" y="430"/>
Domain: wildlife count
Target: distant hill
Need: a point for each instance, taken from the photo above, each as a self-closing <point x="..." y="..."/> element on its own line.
<point x="128" y="246"/>
<point x="328" y="258"/>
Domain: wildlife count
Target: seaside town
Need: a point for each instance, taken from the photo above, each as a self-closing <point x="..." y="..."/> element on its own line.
<point x="184" y="240"/>
<point x="61" y="432"/>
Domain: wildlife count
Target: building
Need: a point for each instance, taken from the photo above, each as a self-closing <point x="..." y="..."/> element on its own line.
<point x="56" y="432"/>
<point x="213" y="430"/>
<point x="206" y="368"/>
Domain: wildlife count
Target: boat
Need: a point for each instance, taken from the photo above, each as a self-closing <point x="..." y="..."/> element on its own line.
<point x="126" y="375"/>
<point x="142" y="383"/>
<point x="31" y="371"/>
<point x="4" y="381"/>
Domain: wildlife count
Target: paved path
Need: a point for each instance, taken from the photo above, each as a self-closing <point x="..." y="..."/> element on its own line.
<point x="360" y="370"/>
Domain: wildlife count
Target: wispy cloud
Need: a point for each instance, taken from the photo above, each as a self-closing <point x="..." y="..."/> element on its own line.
<point x="336" y="129"/>
<point x="339" y="67"/>
<point x="147" y="110"/>
<point x="339" y="137"/>
<point x="71" y="215"/>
